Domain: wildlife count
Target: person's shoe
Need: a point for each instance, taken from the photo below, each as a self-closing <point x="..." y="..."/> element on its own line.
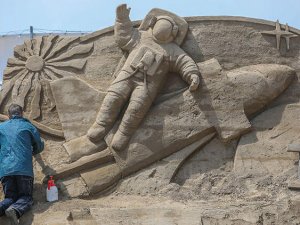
<point x="12" y="215"/>
<point x="119" y="141"/>
<point x="96" y="132"/>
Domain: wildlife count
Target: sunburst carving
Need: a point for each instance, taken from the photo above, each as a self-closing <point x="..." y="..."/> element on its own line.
<point x="36" y="63"/>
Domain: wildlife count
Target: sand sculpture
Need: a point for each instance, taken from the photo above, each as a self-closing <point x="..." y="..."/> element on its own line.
<point x="152" y="54"/>
<point x="170" y="92"/>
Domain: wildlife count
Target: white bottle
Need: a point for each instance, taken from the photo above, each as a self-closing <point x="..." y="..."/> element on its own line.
<point x="52" y="192"/>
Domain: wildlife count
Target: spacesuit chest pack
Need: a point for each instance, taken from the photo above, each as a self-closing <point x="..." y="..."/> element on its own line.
<point x="150" y="59"/>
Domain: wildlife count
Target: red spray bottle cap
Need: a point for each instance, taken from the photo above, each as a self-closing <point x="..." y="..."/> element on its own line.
<point x="51" y="182"/>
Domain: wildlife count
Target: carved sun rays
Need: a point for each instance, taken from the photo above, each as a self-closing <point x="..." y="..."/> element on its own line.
<point x="35" y="64"/>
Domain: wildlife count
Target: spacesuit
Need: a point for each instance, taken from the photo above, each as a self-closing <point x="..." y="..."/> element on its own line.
<point x="152" y="54"/>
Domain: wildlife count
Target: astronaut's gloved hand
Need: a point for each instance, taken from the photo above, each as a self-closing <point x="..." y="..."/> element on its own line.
<point x="195" y="81"/>
<point x="122" y="12"/>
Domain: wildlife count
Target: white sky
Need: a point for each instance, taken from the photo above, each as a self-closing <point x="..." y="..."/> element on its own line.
<point x="91" y="15"/>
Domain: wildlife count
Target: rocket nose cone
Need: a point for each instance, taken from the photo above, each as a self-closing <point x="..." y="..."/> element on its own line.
<point x="260" y="84"/>
<point x="277" y="76"/>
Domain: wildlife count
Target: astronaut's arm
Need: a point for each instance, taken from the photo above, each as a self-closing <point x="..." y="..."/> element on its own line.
<point x="123" y="27"/>
<point x="188" y="70"/>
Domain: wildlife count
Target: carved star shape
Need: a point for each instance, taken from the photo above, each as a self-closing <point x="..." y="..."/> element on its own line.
<point x="288" y="36"/>
<point x="281" y="33"/>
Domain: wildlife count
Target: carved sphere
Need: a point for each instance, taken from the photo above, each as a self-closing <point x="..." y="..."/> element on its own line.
<point x="35" y="63"/>
<point x="162" y="30"/>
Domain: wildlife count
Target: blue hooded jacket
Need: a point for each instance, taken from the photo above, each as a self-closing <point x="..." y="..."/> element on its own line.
<point x="19" y="140"/>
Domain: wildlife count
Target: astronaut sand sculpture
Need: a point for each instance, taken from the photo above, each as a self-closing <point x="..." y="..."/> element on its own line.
<point x="152" y="55"/>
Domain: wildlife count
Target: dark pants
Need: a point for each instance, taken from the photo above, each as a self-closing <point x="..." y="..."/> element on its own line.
<point x="18" y="194"/>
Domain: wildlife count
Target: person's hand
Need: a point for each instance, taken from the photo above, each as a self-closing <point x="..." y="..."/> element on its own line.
<point x="123" y="12"/>
<point x="195" y="81"/>
<point x="3" y="117"/>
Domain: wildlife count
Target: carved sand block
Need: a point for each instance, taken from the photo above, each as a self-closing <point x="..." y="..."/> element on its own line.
<point x="82" y="216"/>
<point x="194" y="117"/>
<point x="295" y="184"/>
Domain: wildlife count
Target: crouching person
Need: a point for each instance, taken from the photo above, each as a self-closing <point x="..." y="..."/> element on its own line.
<point x="19" y="140"/>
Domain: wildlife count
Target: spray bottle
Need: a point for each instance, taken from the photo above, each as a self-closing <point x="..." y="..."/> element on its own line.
<point x="52" y="192"/>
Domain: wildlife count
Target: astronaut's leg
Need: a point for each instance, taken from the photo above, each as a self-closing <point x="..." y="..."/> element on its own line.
<point x="112" y="104"/>
<point x="138" y="107"/>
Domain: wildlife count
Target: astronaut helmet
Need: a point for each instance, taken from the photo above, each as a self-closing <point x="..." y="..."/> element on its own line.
<point x="164" y="29"/>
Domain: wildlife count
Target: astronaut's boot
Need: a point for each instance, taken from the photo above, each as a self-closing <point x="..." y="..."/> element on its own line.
<point x="96" y="132"/>
<point x="119" y="141"/>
